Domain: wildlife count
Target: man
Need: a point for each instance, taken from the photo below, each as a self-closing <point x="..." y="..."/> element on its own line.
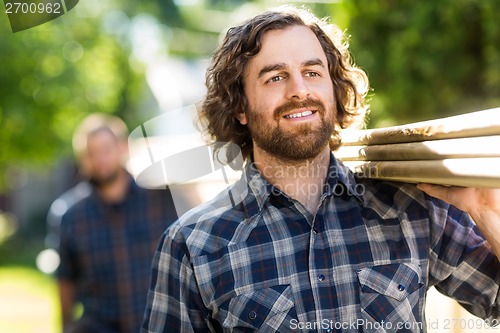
<point x="311" y="247"/>
<point x="108" y="236"/>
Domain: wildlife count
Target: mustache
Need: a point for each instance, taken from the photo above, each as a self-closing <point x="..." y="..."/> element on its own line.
<point x="293" y="105"/>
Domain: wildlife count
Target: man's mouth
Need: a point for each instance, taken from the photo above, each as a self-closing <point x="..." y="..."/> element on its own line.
<point x="299" y="114"/>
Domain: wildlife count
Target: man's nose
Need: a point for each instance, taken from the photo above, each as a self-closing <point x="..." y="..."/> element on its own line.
<point x="297" y="88"/>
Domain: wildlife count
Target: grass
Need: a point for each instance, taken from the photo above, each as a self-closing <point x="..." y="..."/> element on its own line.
<point x="28" y="301"/>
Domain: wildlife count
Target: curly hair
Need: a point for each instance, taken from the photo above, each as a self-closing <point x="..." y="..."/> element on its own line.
<point x="226" y="98"/>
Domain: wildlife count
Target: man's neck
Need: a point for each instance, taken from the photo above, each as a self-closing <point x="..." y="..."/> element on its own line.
<point x="115" y="191"/>
<point x="301" y="180"/>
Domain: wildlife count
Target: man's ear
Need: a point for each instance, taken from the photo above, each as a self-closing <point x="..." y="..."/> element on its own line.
<point x="242" y="117"/>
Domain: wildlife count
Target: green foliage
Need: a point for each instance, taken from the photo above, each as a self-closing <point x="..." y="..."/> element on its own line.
<point x="53" y="75"/>
<point x="56" y="73"/>
<point x="426" y="59"/>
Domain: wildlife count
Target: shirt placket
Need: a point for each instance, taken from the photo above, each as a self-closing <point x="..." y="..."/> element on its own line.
<point x="121" y="252"/>
<point x="319" y="272"/>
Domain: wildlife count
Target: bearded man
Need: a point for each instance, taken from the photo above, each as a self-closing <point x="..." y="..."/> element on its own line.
<point x="310" y="246"/>
<point x="108" y="236"/>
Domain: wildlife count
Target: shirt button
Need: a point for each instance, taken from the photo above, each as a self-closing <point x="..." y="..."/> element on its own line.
<point x="321" y="277"/>
<point x="252" y="315"/>
<point x="401" y="287"/>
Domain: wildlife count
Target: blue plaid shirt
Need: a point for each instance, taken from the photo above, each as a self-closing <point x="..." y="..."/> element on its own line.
<point x="107" y="249"/>
<point x="363" y="263"/>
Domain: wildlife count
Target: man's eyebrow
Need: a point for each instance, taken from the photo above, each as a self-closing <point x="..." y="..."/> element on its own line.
<point x="313" y="62"/>
<point x="272" y="67"/>
<point x="282" y="66"/>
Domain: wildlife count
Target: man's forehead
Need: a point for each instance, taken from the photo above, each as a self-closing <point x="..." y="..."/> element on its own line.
<point x="295" y="44"/>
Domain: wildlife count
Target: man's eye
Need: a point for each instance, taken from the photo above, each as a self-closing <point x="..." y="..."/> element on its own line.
<point x="276" y="78"/>
<point x="312" y="74"/>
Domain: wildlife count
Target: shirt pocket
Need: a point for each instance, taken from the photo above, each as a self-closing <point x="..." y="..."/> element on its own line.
<point x="390" y="297"/>
<point x="266" y="310"/>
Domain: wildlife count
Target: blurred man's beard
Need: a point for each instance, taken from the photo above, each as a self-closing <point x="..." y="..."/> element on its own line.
<point x="304" y="142"/>
<point x="101" y="181"/>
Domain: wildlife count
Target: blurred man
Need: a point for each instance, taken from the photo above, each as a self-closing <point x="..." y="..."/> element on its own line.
<point x="108" y="235"/>
<point x="311" y="247"/>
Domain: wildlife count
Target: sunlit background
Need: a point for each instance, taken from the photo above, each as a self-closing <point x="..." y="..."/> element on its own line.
<point x="140" y="59"/>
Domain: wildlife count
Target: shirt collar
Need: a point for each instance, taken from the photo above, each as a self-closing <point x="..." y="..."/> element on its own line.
<point x="132" y="188"/>
<point x="338" y="175"/>
<point x="257" y="185"/>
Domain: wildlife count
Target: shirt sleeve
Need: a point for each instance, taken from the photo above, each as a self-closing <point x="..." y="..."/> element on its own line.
<point x="67" y="268"/>
<point x="463" y="265"/>
<point x="174" y="303"/>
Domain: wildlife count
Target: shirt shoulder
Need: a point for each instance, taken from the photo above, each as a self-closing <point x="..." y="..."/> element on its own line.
<point x="224" y="220"/>
<point x="392" y="198"/>
<point x="77" y="208"/>
<point x="70" y="198"/>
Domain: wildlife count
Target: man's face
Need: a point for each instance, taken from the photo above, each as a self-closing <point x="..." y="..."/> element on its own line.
<point x="104" y="157"/>
<point x="291" y="111"/>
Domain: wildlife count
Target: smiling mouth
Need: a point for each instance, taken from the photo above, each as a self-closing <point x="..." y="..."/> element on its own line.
<point x="299" y="114"/>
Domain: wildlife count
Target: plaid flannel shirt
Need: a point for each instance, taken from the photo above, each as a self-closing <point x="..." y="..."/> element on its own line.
<point x="107" y="249"/>
<point x="363" y="263"/>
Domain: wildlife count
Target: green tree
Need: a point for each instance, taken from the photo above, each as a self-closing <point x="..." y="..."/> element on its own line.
<point x="426" y="59"/>
<point x="52" y="76"/>
<point x="56" y="73"/>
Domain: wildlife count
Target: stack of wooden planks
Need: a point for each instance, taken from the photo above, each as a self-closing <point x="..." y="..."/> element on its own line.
<point x="461" y="150"/>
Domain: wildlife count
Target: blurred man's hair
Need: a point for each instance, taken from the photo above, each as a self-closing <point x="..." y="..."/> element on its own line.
<point x="95" y="123"/>
<point x="225" y="87"/>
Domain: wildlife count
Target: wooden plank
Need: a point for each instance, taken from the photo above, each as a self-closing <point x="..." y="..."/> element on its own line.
<point x="469" y="172"/>
<point x="481" y="123"/>
<point x="487" y="146"/>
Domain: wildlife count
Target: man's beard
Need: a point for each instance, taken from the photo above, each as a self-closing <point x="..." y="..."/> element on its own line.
<point x="304" y="142"/>
<point x="102" y="181"/>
